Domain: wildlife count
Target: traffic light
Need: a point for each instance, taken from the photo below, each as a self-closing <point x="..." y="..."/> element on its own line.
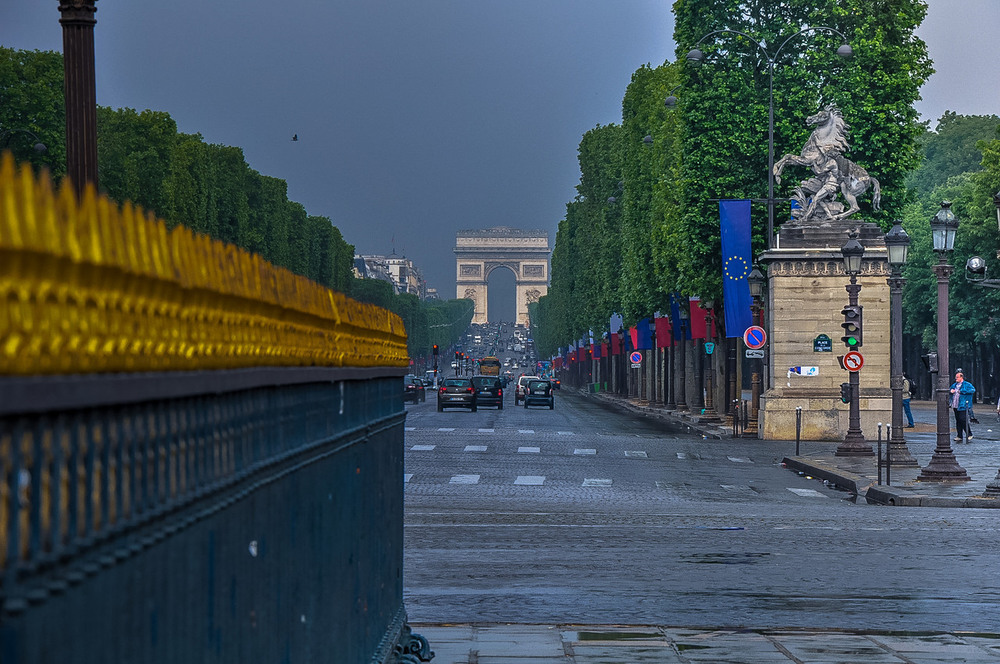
<point x="845" y="392"/>
<point x="435" y="350"/>
<point x="852" y="326"/>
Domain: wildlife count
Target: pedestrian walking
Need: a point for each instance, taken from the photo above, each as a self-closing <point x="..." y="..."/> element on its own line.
<point x="907" y="395"/>
<point x="961" y="402"/>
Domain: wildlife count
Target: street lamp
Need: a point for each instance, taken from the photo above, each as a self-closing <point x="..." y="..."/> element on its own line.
<point x="653" y="360"/>
<point x="854" y="442"/>
<point x="684" y="315"/>
<point x="897" y="242"/>
<point x="7" y="134"/>
<point x="696" y="57"/>
<point x="943" y="466"/>
<point x="710" y="414"/>
<point x="621" y="360"/>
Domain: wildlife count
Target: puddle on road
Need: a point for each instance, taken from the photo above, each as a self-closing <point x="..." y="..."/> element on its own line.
<point x="616" y="636"/>
<point x="724" y="558"/>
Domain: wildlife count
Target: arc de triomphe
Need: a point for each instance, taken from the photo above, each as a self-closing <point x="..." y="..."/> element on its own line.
<point x="523" y="252"/>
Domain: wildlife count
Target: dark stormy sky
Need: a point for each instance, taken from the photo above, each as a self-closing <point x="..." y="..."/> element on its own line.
<point x="417" y="118"/>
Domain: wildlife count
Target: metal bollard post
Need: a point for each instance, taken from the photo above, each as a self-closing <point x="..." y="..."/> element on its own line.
<point x="878" y="462"/>
<point x="798" y="428"/>
<point x="888" y="454"/>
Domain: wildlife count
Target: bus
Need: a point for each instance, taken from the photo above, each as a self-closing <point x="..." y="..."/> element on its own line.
<point x="489" y="366"/>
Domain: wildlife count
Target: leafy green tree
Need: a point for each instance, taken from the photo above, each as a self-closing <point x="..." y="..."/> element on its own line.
<point x="951" y="149"/>
<point x="134" y="155"/>
<point x="31" y="99"/>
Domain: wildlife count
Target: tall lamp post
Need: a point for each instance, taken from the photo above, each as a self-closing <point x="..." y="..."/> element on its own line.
<point x="854" y="442"/>
<point x="695" y="56"/>
<point x="943" y="466"/>
<point x="80" y="90"/>
<point x="756" y="282"/>
<point x="653" y="363"/>
<point x="622" y="382"/>
<point x="684" y="314"/>
<point x="710" y="414"/>
<point x="897" y="242"/>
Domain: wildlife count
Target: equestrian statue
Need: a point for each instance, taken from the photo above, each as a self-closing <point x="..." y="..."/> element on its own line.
<point x="824" y="154"/>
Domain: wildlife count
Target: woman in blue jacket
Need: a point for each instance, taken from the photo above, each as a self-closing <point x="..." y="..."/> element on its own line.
<point x="961" y="402"/>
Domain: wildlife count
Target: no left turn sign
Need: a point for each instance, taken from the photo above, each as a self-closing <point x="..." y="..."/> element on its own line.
<point x="853" y="361"/>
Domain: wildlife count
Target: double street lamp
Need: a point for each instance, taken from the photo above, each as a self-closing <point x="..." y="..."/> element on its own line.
<point x="695" y="56"/>
<point x="897" y="242"/>
<point x="7" y="134"/>
<point x="943" y="466"/>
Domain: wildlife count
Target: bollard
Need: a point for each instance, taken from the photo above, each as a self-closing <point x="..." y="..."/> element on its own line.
<point x="798" y="428"/>
<point x="888" y="454"/>
<point x="878" y="457"/>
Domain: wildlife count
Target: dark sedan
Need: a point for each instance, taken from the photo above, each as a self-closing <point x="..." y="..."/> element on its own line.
<point x="489" y="391"/>
<point x="414" y="390"/>
<point x="457" y="393"/>
<point x="538" y="392"/>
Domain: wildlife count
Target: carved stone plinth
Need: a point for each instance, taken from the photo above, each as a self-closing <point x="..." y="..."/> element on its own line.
<point x="806" y="293"/>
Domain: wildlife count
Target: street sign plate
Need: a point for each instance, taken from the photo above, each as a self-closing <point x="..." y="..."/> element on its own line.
<point x="853" y="361"/>
<point x="755" y="337"/>
<point x="709" y="347"/>
<point x="636" y="365"/>
<point x="636" y="357"/>
<point x="755" y="353"/>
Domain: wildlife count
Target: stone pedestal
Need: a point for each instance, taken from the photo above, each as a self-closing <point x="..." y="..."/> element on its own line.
<point x="806" y="294"/>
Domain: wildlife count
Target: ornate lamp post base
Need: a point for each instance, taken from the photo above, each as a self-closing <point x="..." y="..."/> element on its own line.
<point x="854" y="446"/>
<point x="899" y="455"/>
<point x="993" y="488"/>
<point x="944" y="468"/>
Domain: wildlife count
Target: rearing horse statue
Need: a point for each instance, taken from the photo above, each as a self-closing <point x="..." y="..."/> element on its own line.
<point x="824" y="154"/>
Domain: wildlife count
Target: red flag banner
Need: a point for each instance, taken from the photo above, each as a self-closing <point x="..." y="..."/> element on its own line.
<point x="697" y="319"/>
<point x="664" y="339"/>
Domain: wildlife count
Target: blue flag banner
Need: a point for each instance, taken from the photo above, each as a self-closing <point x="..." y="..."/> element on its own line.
<point x="676" y="302"/>
<point x="734" y="221"/>
<point x="642" y="335"/>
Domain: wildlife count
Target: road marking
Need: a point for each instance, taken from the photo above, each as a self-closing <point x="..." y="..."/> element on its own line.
<point x="464" y="479"/>
<point x="596" y="482"/>
<point x="529" y="450"/>
<point x="807" y="493"/>
<point x="728" y="487"/>
<point x="530" y="480"/>
<point x="682" y="455"/>
<point x="636" y="454"/>
<point x="407" y="477"/>
<point x="446" y="429"/>
<point x="566" y="433"/>
<point x="739" y="460"/>
<point x="475" y="448"/>
<point x="584" y="451"/>
<point x="526" y="431"/>
<point x="487" y="430"/>
<point x="409" y="428"/>
<point x="423" y="448"/>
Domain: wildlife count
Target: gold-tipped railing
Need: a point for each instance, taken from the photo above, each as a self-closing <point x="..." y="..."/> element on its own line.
<point x="87" y="287"/>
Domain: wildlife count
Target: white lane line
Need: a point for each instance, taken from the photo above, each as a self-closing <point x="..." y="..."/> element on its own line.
<point x="526" y="431"/>
<point x="565" y="433"/>
<point x="423" y="448"/>
<point x="407" y="477"/>
<point x="584" y="451"/>
<point x="464" y="479"/>
<point x="475" y="448"/>
<point x="530" y="480"/>
<point x="596" y="482"/>
<point x="487" y="430"/>
<point x="728" y="487"/>
<point x="529" y="450"/>
<point x="409" y="428"/>
<point x="807" y="493"/>
<point x="682" y="455"/>
<point x="739" y="460"/>
<point x="446" y="428"/>
<point x="636" y="454"/>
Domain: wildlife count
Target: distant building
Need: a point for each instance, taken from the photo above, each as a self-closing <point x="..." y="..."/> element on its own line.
<point x="398" y="270"/>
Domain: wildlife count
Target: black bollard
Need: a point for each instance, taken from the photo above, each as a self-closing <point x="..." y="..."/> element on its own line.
<point x="798" y="428"/>
<point x="878" y="463"/>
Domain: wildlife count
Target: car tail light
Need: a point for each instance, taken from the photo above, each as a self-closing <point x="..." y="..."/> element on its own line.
<point x="499" y="393"/>
<point x="469" y="389"/>
<point x="443" y="390"/>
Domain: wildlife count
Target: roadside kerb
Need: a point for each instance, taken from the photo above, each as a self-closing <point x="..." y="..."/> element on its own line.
<point x="856" y="484"/>
<point x="714" y="431"/>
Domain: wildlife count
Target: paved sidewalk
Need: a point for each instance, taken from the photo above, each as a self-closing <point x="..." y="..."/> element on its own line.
<point x="597" y="644"/>
<point x="980" y="458"/>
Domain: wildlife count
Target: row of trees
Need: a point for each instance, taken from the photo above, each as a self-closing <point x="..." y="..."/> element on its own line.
<point x="210" y="188"/>
<point x="645" y="221"/>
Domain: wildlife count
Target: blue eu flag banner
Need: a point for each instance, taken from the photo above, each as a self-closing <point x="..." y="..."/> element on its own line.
<point x="734" y="220"/>
<point x="642" y="334"/>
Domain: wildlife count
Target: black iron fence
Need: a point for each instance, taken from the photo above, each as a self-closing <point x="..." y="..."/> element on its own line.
<point x="250" y="515"/>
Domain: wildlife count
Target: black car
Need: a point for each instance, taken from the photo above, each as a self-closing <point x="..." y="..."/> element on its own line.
<point x="489" y="391"/>
<point x="538" y="392"/>
<point x="413" y="389"/>
<point x="457" y="393"/>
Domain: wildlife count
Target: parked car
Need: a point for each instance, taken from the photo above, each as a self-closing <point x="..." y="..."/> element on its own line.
<point x="413" y="389"/>
<point x="457" y="393"/>
<point x="519" y="388"/>
<point x="556" y="383"/>
<point x="538" y="392"/>
<point x="489" y="391"/>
